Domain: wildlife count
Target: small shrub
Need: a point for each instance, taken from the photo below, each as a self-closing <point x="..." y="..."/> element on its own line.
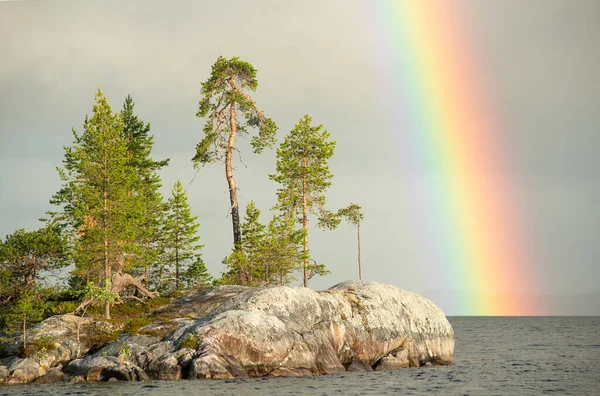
<point x="190" y="341"/>
<point x="124" y="351"/>
<point x="133" y="325"/>
<point x="40" y="355"/>
<point x="96" y="340"/>
<point x="46" y="342"/>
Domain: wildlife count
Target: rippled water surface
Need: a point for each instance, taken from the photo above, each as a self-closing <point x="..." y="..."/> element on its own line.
<point x="493" y="356"/>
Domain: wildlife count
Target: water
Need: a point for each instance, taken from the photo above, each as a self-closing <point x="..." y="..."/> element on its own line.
<point x="493" y="356"/>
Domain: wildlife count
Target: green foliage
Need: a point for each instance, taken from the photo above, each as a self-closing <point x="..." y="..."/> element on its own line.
<point x="45" y="341"/>
<point x="180" y="236"/>
<point x="102" y="294"/>
<point x="196" y="275"/>
<point x="190" y="341"/>
<point x="283" y="250"/>
<point x="266" y="255"/>
<point x="227" y="86"/>
<point x="133" y="325"/>
<point x="124" y="351"/>
<point x="304" y="176"/>
<point x="28" y="257"/>
<point x="302" y="169"/>
<point x="351" y="214"/>
<point x="96" y="200"/>
<point x="29" y="307"/>
<point x="98" y="338"/>
<point x="144" y="187"/>
<point x="246" y="262"/>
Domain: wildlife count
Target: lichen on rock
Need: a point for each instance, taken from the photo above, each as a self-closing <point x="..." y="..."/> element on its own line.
<point x="240" y="332"/>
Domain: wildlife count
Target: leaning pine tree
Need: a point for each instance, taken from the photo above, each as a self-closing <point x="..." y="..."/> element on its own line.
<point x="226" y="104"/>
<point x="180" y="233"/>
<point x="304" y="176"/>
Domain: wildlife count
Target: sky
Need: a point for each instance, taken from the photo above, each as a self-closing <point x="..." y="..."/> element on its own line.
<point x="326" y="59"/>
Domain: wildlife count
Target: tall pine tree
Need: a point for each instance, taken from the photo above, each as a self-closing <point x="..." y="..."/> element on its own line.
<point x="304" y="176"/>
<point x="224" y="99"/>
<point x="145" y="186"/>
<point x="180" y="233"/>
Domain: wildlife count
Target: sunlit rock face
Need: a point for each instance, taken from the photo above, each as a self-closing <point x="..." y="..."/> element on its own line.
<point x="240" y="332"/>
<point x="298" y="331"/>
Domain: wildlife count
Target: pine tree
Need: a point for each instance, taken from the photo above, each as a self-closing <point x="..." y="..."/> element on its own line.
<point x="225" y="97"/>
<point x="26" y="258"/>
<point x="283" y="250"/>
<point x="97" y="201"/>
<point x="304" y="176"/>
<point x="196" y="275"/>
<point x="145" y="186"/>
<point x="246" y="264"/>
<point x="353" y="215"/>
<point x="180" y="232"/>
<point x="253" y="234"/>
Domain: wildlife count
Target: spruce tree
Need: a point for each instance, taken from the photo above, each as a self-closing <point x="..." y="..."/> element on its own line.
<point x="283" y="250"/>
<point x="196" y="275"/>
<point x="96" y="200"/>
<point x="180" y="232"/>
<point x="246" y="264"/>
<point x="353" y="215"/>
<point x="304" y="176"/>
<point x="145" y="186"/>
<point x="224" y="99"/>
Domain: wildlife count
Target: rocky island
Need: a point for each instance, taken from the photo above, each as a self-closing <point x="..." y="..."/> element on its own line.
<point x="241" y="332"/>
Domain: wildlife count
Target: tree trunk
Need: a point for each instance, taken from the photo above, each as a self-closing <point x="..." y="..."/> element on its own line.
<point x="359" y="263"/>
<point x="24" y="333"/>
<point x="177" y="260"/>
<point x="147" y="269"/>
<point x="121" y="281"/>
<point x="107" y="269"/>
<point x="235" y="215"/>
<point x="305" y="224"/>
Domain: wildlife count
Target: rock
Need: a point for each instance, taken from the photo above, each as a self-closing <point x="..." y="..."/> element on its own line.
<point x="165" y="368"/>
<point x="99" y="368"/>
<point x="358" y="365"/>
<point x="239" y="332"/>
<point x="23" y="371"/>
<point x="90" y="367"/>
<point x="78" y="378"/>
<point x="3" y="373"/>
<point x="123" y="372"/>
<point x="53" y="375"/>
<point x="394" y="361"/>
<point x="281" y="330"/>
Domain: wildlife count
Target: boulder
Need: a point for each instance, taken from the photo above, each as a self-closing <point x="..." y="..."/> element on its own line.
<point x="53" y="375"/>
<point x="23" y="371"/>
<point x="353" y="325"/>
<point x="3" y="373"/>
<point x="100" y="368"/>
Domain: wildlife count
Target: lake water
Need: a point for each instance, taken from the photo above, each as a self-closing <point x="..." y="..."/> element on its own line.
<point x="493" y="356"/>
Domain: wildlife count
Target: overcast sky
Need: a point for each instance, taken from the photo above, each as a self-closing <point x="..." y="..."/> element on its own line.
<point x="320" y="58"/>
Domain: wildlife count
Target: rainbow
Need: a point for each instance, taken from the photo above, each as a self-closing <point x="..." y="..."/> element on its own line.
<point x="436" y="81"/>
